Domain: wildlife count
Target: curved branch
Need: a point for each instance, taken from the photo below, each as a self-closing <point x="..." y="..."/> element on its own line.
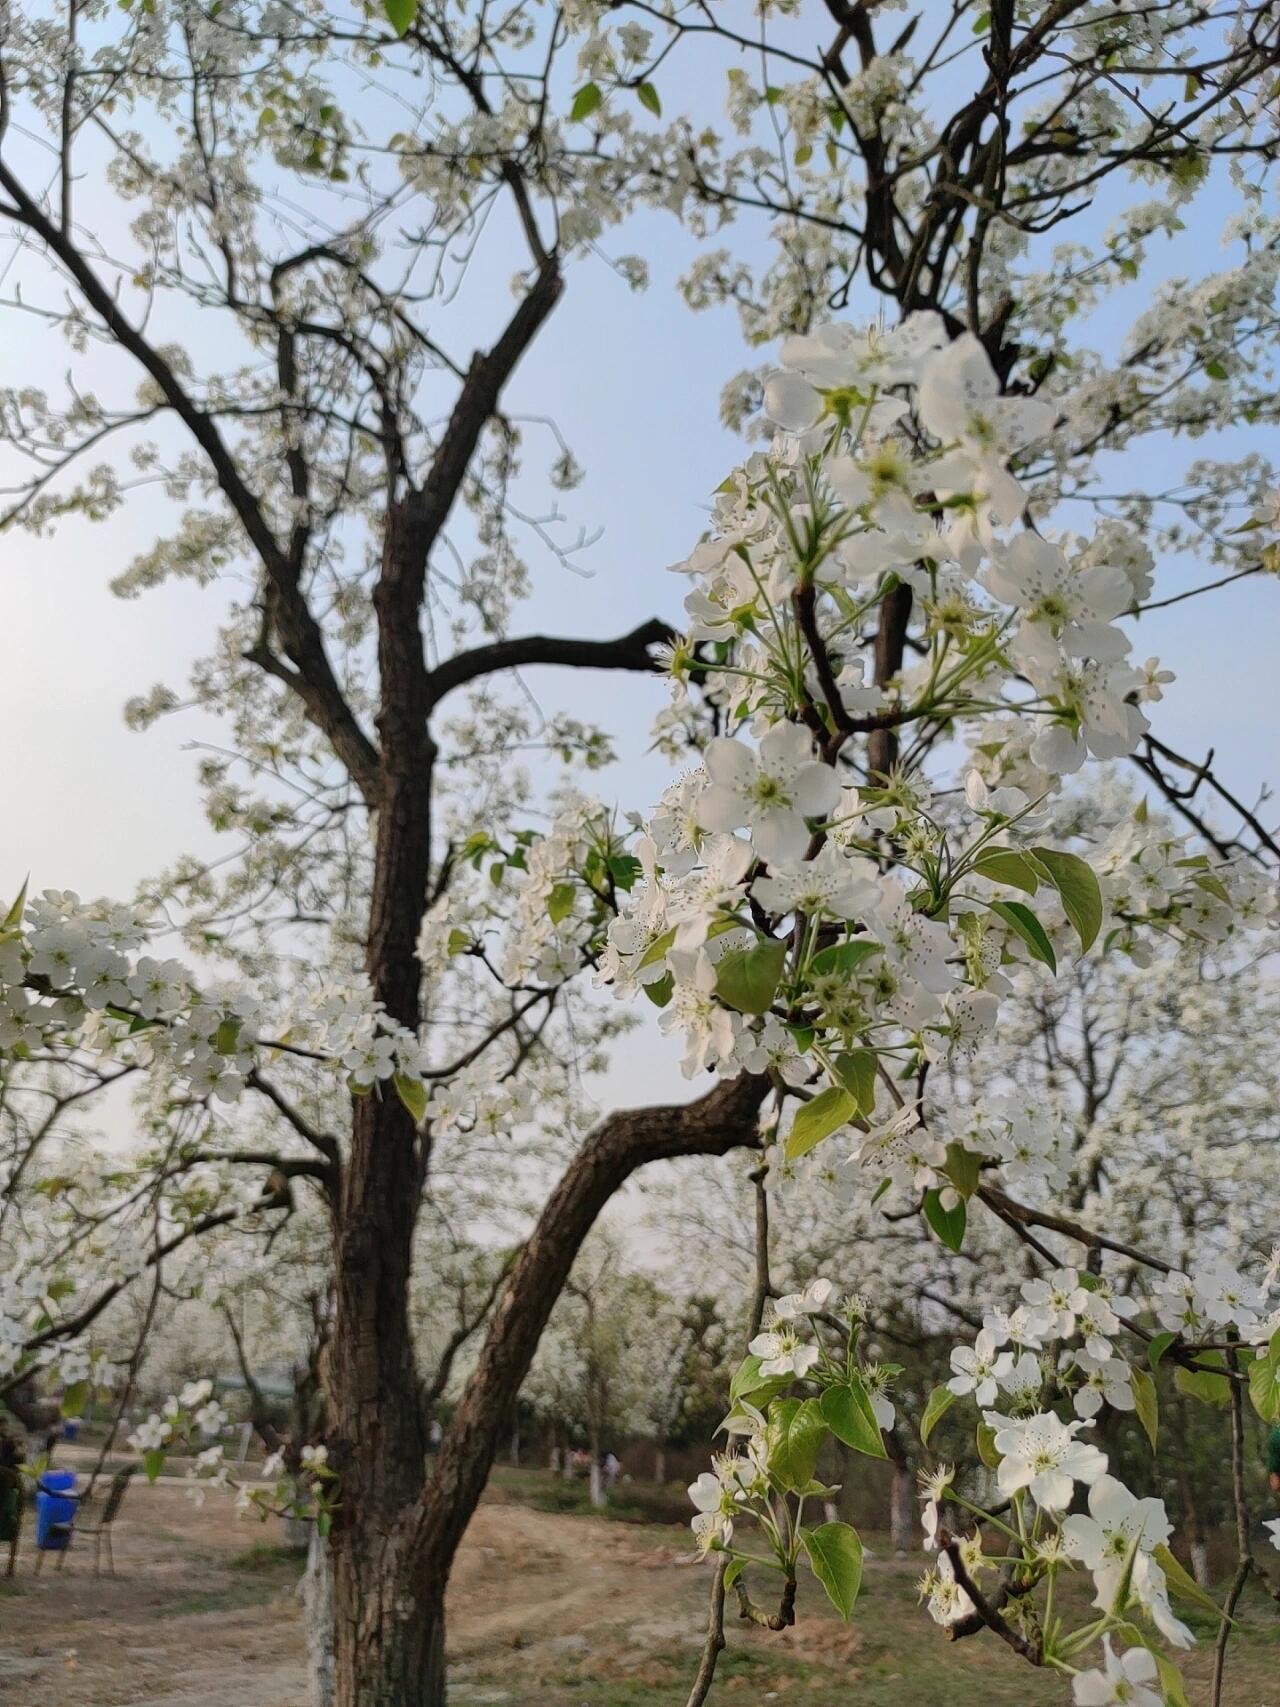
<point x="723" y="1120"/>
<point x="631" y="651"/>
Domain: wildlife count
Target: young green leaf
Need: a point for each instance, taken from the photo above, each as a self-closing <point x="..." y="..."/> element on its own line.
<point x="848" y="1413"/>
<point x="794" y="1433"/>
<point x="1160" y="1343"/>
<point x="835" y="1553"/>
<point x="1182" y="1583"/>
<point x="856" y="1071"/>
<point x="1077" y="885"/>
<point x="816" y="1120"/>
<point x="1264" y="1381"/>
<point x="986" y="1441"/>
<point x="649" y="99"/>
<point x="747" y="978"/>
<point x="1170" y="1675"/>
<point x="748" y="1379"/>
<point x="936" y="1407"/>
<point x="74" y="1399"/>
<point x="1203" y="1384"/>
<point x="400" y="14"/>
<point x="845" y="956"/>
<point x="1029" y="928"/>
<point x="560" y="902"/>
<point x="1003" y="865"/>
<point x="586" y="101"/>
<point x="13" y="918"/>
<point x="948" y="1224"/>
<point x="1146" y="1403"/>
<point x="964" y="1169"/>
<point x="413" y="1094"/>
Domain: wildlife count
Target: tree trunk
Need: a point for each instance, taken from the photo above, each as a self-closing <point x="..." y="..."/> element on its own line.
<point x="389" y="1631"/>
<point x="317" y="1617"/>
<point x="660" y="1463"/>
<point x="902" y="1509"/>
<point x="596" y="1482"/>
<point x="1192" y="1529"/>
<point x="393" y="1654"/>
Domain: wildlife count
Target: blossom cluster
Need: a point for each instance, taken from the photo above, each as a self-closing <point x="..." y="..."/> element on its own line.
<point x="72" y="971"/>
<point x="293" y="1481"/>
<point x="803" y="913"/>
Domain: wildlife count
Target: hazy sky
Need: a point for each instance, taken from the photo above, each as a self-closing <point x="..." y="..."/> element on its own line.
<point x="633" y="381"/>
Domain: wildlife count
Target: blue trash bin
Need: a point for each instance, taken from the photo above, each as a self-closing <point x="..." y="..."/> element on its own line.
<point x="55" y="1509"/>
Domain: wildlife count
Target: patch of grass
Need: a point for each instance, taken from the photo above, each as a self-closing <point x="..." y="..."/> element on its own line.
<point x="265" y="1557"/>
<point x="631" y="1502"/>
<point x="229" y="1599"/>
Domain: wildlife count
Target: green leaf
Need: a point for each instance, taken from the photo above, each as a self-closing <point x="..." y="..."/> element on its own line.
<point x="657" y="949"/>
<point x="224" y="1039"/>
<point x="816" y="1120"/>
<point x="1183" y="1584"/>
<point x="1215" y="369"/>
<point x="1146" y="1403"/>
<point x="1077" y="884"/>
<point x="560" y="902"/>
<point x="856" y="1071"/>
<point x="74" y="1399"/>
<point x="948" y="1224"/>
<point x="793" y="1435"/>
<point x="1159" y="1345"/>
<point x="936" y="1407"/>
<point x="661" y="990"/>
<point x="625" y="870"/>
<point x="845" y="956"/>
<point x="964" y="1169"/>
<point x="733" y="1570"/>
<point x="986" y="1440"/>
<point x="153" y="1462"/>
<point x="1003" y="865"/>
<point x="1264" y="1381"/>
<point x="400" y="14"/>
<point x="835" y="1554"/>
<point x="848" y="1413"/>
<point x="585" y="102"/>
<point x="1170" y="1675"/>
<point x="747" y="978"/>
<point x="649" y="98"/>
<point x="413" y="1094"/>
<point x="1029" y="928"/>
<point x="13" y="918"/>
<point x="1203" y="1384"/>
<point x="748" y="1379"/>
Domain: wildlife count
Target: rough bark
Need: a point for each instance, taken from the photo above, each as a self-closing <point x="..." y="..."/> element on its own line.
<point x="397" y="1534"/>
<point x="713" y="1125"/>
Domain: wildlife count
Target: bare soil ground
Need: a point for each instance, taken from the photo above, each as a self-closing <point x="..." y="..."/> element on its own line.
<point x="558" y="1610"/>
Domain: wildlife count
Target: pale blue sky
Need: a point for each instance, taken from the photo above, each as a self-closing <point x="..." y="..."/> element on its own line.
<point x="634" y="382"/>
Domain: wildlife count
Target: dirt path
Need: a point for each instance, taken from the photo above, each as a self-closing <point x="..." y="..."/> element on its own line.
<point x="547" y="1609"/>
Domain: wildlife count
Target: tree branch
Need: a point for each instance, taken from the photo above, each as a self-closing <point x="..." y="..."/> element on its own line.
<point x="722" y="1120"/>
<point x="628" y="652"/>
